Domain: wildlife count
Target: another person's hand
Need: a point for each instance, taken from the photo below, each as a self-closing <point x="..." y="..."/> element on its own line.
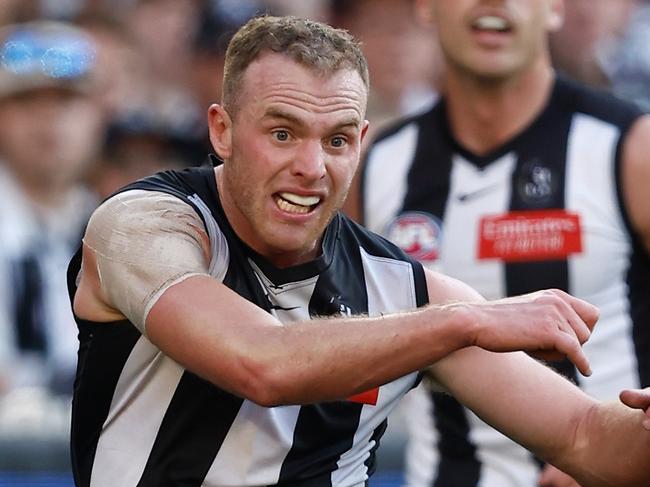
<point x="638" y="399"/>
<point x="549" y="324"/>
<point x="553" y="477"/>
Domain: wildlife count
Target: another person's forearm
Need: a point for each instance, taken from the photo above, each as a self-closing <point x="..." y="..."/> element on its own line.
<point x="611" y="448"/>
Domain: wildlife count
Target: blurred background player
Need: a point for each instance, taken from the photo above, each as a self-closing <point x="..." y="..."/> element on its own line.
<point x="604" y="43"/>
<point x="50" y="129"/>
<point x="516" y="180"/>
<point x="403" y="58"/>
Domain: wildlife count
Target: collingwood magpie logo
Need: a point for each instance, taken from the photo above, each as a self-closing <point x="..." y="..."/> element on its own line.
<point x="536" y="182"/>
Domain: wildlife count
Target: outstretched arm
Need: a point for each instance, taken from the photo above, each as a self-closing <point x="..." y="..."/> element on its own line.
<point x="212" y="331"/>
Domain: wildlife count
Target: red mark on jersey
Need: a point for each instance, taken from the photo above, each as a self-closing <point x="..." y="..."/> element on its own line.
<point x="530" y="235"/>
<point x="368" y="397"/>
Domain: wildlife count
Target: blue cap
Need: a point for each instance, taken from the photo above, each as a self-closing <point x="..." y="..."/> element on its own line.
<point x="45" y="54"/>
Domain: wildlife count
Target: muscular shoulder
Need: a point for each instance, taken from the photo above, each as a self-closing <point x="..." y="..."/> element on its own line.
<point x="635" y="175"/>
<point x="137" y="244"/>
<point x="138" y="215"/>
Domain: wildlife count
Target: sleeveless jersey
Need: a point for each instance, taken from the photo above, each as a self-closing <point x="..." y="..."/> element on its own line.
<point x="543" y="210"/>
<point x="140" y="419"/>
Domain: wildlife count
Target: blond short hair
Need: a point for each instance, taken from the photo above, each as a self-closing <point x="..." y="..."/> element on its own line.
<point x="316" y="45"/>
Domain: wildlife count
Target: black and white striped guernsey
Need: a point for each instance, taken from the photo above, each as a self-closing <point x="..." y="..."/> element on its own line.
<point x="543" y="210"/>
<point x="140" y="419"/>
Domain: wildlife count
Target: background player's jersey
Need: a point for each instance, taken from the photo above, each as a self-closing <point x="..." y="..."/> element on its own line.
<point x="140" y="419"/>
<point x="543" y="210"/>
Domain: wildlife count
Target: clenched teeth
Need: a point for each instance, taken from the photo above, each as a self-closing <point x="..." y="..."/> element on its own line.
<point x="293" y="203"/>
<point x="300" y="200"/>
<point x="490" y="22"/>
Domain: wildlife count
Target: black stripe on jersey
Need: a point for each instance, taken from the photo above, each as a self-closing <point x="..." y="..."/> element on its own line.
<point x="533" y="150"/>
<point x="103" y="351"/>
<point x="459" y="465"/>
<point x="192" y="432"/>
<point x="334" y="423"/>
<point x="387" y="132"/>
<point x="428" y="177"/>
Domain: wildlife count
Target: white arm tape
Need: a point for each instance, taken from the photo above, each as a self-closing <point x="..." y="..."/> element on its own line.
<point x="144" y="243"/>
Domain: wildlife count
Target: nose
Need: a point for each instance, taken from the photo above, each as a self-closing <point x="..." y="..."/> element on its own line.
<point x="309" y="161"/>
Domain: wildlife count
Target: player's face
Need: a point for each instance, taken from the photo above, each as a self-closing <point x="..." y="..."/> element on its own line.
<point x="290" y="153"/>
<point x="48" y="136"/>
<point x="493" y="39"/>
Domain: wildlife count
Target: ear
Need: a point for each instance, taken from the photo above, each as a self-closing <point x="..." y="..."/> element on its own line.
<point x="555" y="15"/>
<point x="220" y="128"/>
<point x="364" y="129"/>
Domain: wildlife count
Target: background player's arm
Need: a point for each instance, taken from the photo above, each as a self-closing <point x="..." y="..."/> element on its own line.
<point x="636" y="178"/>
<point x="599" y="443"/>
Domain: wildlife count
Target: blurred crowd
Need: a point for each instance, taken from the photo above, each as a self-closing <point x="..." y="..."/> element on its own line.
<point x="96" y="93"/>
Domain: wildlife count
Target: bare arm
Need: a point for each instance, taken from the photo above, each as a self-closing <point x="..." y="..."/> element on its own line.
<point x="222" y="337"/>
<point x="327" y="359"/>
<point x="600" y="444"/>
<point x="211" y="330"/>
<point x="636" y="178"/>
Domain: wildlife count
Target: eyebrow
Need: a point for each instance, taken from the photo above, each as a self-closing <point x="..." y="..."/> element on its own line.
<point x="275" y="112"/>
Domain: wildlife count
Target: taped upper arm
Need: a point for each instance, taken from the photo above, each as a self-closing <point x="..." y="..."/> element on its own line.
<point x="143" y="242"/>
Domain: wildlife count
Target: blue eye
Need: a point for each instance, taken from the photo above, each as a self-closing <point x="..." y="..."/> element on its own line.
<point x="281" y="135"/>
<point x="338" y="142"/>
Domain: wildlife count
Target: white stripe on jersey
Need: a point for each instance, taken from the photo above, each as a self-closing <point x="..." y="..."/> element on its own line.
<point x="393" y="158"/>
<point x="598" y="275"/>
<point x="421" y="455"/>
<point x="255" y="446"/>
<point x="378" y="272"/>
<point x="144" y="390"/>
<point x="220" y="254"/>
<point x="474" y="191"/>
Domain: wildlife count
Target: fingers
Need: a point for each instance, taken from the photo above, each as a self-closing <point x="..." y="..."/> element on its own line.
<point x="569" y="346"/>
<point x="587" y="312"/>
<point x="578" y="327"/>
<point x="573" y="333"/>
<point x="638" y="399"/>
<point x="553" y="477"/>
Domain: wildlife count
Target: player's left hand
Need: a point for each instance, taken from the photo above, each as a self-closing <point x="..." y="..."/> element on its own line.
<point x="638" y="399"/>
<point x="553" y="477"/>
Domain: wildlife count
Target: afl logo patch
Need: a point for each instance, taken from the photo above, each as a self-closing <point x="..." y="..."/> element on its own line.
<point x="416" y="233"/>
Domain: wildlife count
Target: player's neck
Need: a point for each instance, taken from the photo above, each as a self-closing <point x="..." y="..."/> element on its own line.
<point x="484" y="114"/>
